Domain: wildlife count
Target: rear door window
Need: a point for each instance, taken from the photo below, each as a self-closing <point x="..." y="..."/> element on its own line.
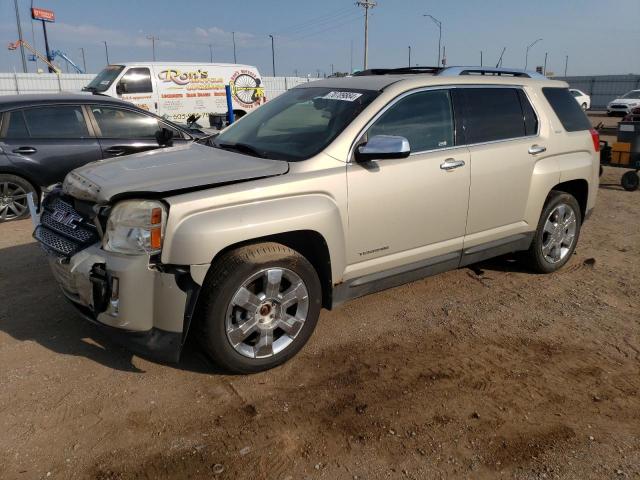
<point x="63" y="121"/>
<point x="493" y="114"/>
<point x="423" y="118"/>
<point x="569" y="112"/>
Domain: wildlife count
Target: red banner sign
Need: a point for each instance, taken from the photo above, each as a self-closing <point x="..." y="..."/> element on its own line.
<point x="43" y="14"/>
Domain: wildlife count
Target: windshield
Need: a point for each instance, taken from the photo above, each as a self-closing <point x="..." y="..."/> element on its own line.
<point x="634" y="94"/>
<point x="296" y="125"/>
<point x="104" y="79"/>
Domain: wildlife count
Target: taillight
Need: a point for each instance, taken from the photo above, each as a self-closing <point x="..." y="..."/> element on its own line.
<point x="595" y="136"/>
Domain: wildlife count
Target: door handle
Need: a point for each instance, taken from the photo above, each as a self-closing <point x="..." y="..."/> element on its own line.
<point x="536" y="149"/>
<point x="451" y="164"/>
<point x="115" y="151"/>
<point x="25" y="150"/>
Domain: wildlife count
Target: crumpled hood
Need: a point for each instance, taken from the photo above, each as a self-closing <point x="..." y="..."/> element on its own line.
<point x="183" y="168"/>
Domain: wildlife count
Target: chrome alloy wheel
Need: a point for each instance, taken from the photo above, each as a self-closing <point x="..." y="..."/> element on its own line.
<point x="13" y="201"/>
<point x="267" y="312"/>
<point x="559" y="233"/>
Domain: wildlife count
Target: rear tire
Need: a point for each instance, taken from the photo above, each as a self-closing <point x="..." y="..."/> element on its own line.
<point x="630" y="181"/>
<point x="259" y="305"/>
<point x="13" y="197"/>
<point x="557" y="234"/>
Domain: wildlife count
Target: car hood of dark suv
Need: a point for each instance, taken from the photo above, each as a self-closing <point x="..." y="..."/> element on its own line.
<point x="170" y="170"/>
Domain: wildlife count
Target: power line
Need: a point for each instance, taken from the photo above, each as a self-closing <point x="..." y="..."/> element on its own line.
<point x="328" y="17"/>
<point x="332" y="27"/>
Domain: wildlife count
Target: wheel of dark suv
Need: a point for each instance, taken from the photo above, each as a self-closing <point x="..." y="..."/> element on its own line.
<point x="557" y="233"/>
<point x="259" y="305"/>
<point x="630" y="181"/>
<point x="13" y="197"/>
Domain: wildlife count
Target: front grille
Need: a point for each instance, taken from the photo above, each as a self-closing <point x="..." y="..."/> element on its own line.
<point x="63" y="231"/>
<point x="618" y="106"/>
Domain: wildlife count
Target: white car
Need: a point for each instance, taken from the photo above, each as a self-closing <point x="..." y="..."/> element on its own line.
<point x="624" y="104"/>
<point x="582" y="98"/>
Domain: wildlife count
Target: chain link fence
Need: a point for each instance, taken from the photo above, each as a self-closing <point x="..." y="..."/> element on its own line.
<point x="603" y="88"/>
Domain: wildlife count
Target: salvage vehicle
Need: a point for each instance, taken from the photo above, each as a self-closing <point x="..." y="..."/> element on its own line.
<point x="334" y="190"/>
<point x="622" y="106"/>
<point x="179" y="90"/>
<point x="44" y="137"/>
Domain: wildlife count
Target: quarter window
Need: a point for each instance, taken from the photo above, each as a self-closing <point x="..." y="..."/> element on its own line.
<point x="120" y="123"/>
<point x="569" y="112"/>
<point x="493" y="114"/>
<point x="63" y="121"/>
<point x="423" y="118"/>
<point x="137" y="80"/>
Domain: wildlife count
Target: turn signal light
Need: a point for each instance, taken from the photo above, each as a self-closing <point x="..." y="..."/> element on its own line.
<point x="595" y="136"/>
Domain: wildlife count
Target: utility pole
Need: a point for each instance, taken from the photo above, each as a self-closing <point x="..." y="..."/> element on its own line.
<point x="526" y="55"/>
<point x="439" y="24"/>
<point x="106" y="51"/>
<point x="233" y="36"/>
<point x="273" y="56"/>
<point x="295" y="72"/>
<point x="481" y="58"/>
<point x="318" y="71"/>
<point x="444" y="56"/>
<point x="211" y="53"/>
<point x="153" y="44"/>
<point x="84" y="62"/>
<point x="332" y="69"/>
<point x="351" y="59"/>
<point x="566" y="64"/>
<point x="24" y="60"/>
<point x="544" y="69"/>
<point x="366" y="4"/>
<point x="409" y="56"/>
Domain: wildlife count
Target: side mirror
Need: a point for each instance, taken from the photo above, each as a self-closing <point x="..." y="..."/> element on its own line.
<point x="121" y="88"/>
<point x="164" y="137"/>
<point x="383" y="147"/>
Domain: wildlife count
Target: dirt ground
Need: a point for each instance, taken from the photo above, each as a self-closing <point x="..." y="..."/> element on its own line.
<point x="483" y="372"/>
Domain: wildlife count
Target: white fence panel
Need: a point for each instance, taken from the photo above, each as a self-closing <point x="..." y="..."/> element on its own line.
<point x="14" y="83"/>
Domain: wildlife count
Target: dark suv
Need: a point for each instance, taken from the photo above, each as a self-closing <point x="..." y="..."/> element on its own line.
<point x="44" y="137"/>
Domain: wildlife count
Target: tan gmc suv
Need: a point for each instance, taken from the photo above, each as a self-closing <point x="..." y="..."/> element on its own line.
<point x="335" y="189"/>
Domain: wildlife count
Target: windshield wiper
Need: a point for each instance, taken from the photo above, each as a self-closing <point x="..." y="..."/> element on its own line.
<point x="241" y="148"/>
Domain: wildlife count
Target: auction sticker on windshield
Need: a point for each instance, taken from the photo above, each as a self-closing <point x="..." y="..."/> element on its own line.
<point x="346" y="96"/>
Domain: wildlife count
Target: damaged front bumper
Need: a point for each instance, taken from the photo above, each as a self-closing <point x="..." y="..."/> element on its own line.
<point x="146" y="308"/>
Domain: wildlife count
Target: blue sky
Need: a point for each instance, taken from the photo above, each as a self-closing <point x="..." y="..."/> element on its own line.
<point x="600" y="36"/>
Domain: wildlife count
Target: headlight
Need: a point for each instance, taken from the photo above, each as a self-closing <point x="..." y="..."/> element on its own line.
<point x="135" y="227"/>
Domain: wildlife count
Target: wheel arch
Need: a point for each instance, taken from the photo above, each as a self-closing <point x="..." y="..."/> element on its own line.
<point x="309" y="243"/>
<point x="579" y="189"/>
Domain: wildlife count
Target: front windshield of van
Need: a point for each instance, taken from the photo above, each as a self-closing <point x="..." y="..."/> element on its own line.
<point x="633" y="94"/>
<point x="104" y="79"/>
<point x="297" y="124"/>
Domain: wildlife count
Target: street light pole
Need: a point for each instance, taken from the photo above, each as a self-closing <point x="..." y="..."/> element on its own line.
<point x="273" y="56"/>
<point x="526" y="55"/>
<point x="106" y="51"/>
<point x="24" y="60"/>
<point x="566" y="64"/>
<point x="153" y="45"/>
<point x="84" y="62"/>
<point x="211" y="53"/>
<point x="233" y="35"/>
<point x="439" y="24"/>
<point x="409" y="56"/>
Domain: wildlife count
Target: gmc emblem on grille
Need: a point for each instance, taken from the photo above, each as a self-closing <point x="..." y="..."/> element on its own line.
<point x="69" y="219"/>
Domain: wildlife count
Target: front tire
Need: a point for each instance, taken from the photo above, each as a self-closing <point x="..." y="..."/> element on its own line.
<point x="557" y="234"/>
<point x="260" y="304"/>
<point x="14" y="191"/>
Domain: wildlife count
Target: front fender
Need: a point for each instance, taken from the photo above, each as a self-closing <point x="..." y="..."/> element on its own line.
<point x="199" y="237"/>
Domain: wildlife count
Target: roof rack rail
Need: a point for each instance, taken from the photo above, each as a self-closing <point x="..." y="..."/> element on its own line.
<point x="507" y="72"/>
<point x="398" y="71"/>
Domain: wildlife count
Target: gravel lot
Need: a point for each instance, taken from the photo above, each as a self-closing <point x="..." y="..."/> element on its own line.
<point x="483" y="372"/>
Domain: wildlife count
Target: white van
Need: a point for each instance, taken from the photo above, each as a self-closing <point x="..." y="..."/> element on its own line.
<point x="176" y="90"/>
